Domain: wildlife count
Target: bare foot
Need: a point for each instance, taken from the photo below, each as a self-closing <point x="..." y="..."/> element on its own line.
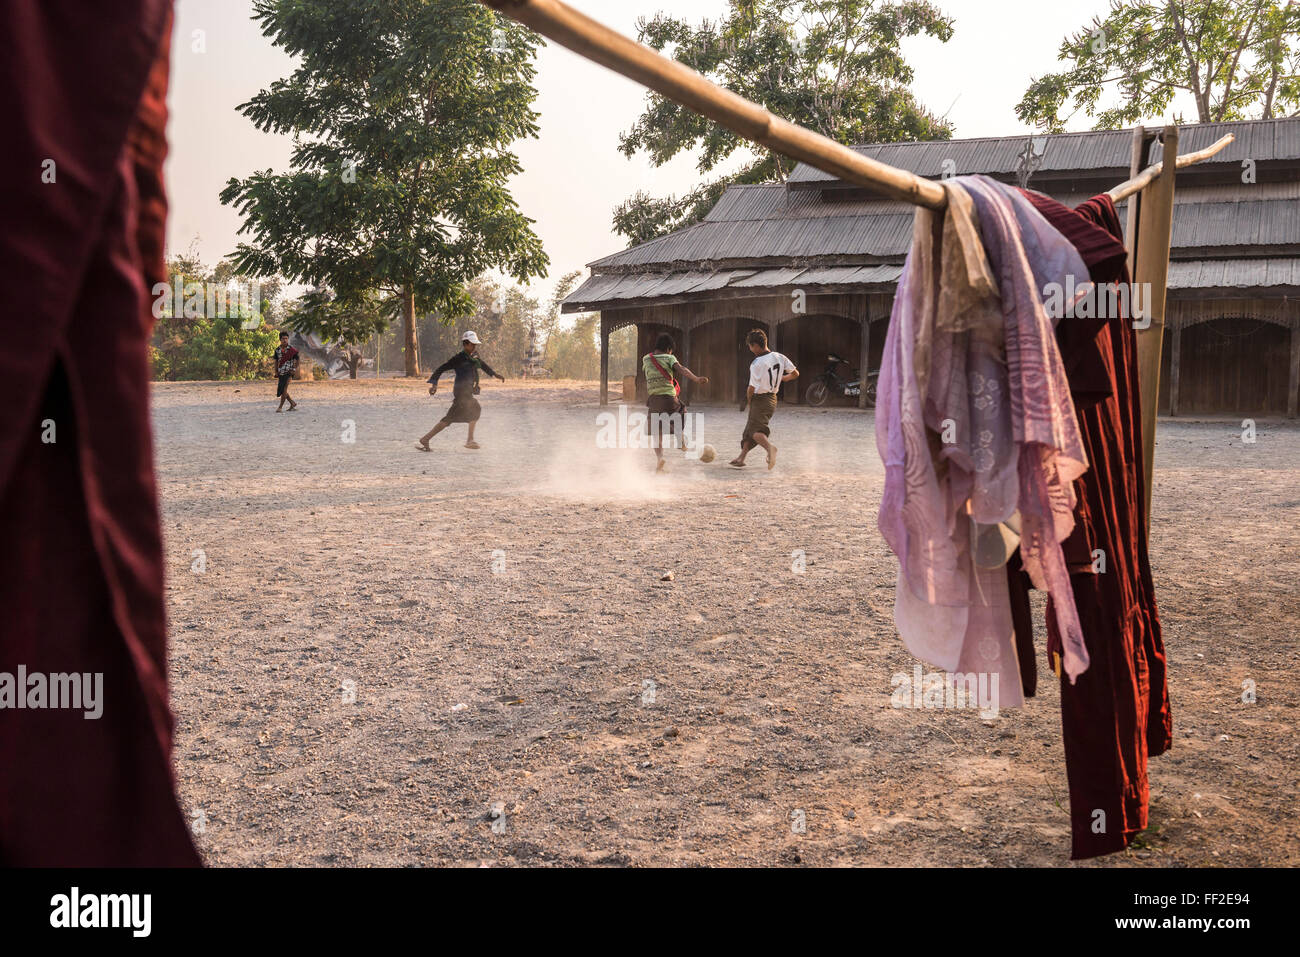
<point x="736" y="464"/>
<point x="423" y="447"/>
<point x="472" y="445"/>
<point x="771" y="456"/>
<point x="662" y="466"/>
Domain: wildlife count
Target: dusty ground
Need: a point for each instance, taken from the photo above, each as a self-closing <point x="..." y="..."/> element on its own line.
<point x="332" y="569"/>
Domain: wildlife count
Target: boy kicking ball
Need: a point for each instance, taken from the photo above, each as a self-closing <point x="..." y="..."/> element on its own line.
<point x="767" y="373"/>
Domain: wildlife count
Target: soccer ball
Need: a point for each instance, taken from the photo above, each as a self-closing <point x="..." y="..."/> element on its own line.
<point x="708" y="453"/>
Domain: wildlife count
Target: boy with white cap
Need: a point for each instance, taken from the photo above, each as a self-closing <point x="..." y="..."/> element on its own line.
<point x="464" y="407"/>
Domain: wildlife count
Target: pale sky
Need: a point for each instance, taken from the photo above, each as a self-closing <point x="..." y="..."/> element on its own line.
<point x="574" y="174"/>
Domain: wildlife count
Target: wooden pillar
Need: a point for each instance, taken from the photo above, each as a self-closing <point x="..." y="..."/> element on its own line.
<point x="1151" y="258"/>
<point x="1137" y="162"/>
<point x="604" y="360"/>
<point x="686" y="359"/>
<point x="864" y="354"/>
<point x="1293" y="387"/>
<point x="771" y="326"/>
<point x="1175" y="353"/>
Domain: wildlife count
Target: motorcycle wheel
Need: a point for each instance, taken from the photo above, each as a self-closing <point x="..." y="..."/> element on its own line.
<point x="870" y="390"/>
<point x="817" y="394"/>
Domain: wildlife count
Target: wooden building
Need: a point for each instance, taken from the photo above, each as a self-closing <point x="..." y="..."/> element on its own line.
<point x="815" y="260"/>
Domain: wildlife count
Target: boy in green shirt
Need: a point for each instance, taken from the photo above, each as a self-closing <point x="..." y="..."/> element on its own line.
<point x="663" y="393"/>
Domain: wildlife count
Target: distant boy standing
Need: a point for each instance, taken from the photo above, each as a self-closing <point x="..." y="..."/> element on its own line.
<point x="286" y="364"/>
<point x="767" y="373"/>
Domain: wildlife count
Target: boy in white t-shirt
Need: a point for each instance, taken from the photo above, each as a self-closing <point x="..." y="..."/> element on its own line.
<point x="767" y="373"/>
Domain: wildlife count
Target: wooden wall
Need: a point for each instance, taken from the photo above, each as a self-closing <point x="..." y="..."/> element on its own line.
<point x="1235" y="357"/>
<point x="717" y="350"/>
<point x="808" y="340"/>
<point x="1236" y="366"/>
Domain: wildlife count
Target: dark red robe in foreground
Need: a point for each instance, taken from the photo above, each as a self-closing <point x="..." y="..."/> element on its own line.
<point x="1117" y="713"/>
<point x="81" y="571"/>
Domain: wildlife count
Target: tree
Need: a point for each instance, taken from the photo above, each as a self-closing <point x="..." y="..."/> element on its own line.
<point x="574" y="352"/>
<point x="402" y="113"/>
<point x="830" y="65"/>
<point x="350" y="322"/>
<point x="205" y="328"/>
<point x="1238" y="59"/>
<point x="550" y="321"/>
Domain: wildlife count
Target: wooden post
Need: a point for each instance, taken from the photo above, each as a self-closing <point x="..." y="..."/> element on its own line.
<point x="604" y="360"/>
<point x="1151" y="271"/>
<point x="864" y="353"/>
<point x="1137" y="161"/>
<point x="686" y="359"/>
<point x="1293" y="388"/>
<point x="771" y="325"/>
<point x="1175" y="360"/>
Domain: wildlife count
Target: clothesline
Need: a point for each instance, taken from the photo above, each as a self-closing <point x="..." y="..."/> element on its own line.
<point x="595" y="41"/>
<point x="1139" y="182"/>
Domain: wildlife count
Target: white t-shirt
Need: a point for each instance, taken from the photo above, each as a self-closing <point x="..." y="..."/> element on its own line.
<point x="765" y="372"/>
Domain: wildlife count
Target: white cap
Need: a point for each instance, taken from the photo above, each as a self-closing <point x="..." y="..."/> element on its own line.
<point x="470" y="337"/>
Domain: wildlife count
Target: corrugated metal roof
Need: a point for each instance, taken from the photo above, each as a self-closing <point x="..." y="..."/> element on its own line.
<point x="1260" y="140"/>
<point x="1234" y="274"/>
<point x="887" y="235"/>
<point x="822" y="276"/>
<point x="992" y="155"/>
<point x="865" y="236"/>
<point x="603" y="290"/>
<point x="773" y="201"/>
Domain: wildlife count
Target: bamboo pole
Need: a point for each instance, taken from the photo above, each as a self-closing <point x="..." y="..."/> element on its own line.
<point x="595" y="41"/>
<point x="1148" y="175"/>
<point x="1136" y="158"/>
<point x="1151" y="272"/>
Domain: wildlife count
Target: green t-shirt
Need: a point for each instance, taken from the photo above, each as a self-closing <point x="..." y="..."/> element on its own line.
<point x="655" y="383"/>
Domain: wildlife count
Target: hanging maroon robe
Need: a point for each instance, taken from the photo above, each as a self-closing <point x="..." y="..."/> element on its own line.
<point x="83" y="101"/>
<point x="1117" y="713"/>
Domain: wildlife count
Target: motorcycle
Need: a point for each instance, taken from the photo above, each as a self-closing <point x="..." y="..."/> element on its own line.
<point x="830" y="383"/>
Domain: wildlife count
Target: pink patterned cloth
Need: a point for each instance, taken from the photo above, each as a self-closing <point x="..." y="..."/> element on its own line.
<point x="976" y="427"/>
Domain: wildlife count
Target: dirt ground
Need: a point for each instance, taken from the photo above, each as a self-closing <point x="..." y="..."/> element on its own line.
<point x="383" y="657"/>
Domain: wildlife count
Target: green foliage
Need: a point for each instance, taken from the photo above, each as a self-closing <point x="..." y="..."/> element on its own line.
<point x="501" y="316"/>
<point x="402" y="113"/>
<point x="574" y="353"/>
<point x="571" y="352"/>
<point x="1238" y="59"/>
<point x="193" y="340"/>
<point x="833" y="66"/>
<point x="623" y="359"/>
<point x="349" y="322"/>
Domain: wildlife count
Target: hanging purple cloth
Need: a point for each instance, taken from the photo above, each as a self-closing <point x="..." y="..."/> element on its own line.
<point x="976" y="427"/>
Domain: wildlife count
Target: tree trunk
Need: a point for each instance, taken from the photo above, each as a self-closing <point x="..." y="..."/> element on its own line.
<point x="408" y="323"/>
